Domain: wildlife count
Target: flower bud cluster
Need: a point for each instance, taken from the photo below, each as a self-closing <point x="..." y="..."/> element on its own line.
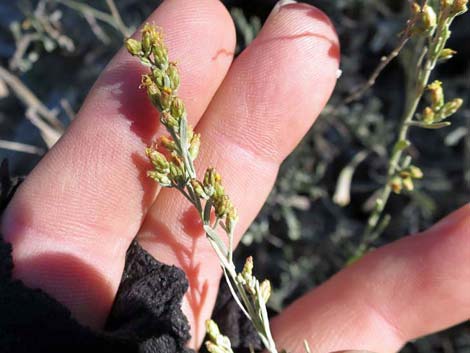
<point x="163" y="80"/>
<point x="169" y="172"/>
<point x="426" y="18"/>
<point x="211" y="189"/>
<point x="251" y="283"/>
<point x="455" y="7"/>
<point x="216" y="343"/>
<point x="439" y="110"/>
<point x="404" y="179"/>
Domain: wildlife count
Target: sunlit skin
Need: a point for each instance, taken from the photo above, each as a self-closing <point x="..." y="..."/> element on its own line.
<point x="73" y="219"/>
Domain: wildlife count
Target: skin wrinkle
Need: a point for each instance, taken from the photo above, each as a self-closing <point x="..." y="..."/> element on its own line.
<point x="90" y="139"/>
<point x="390" y="326"/>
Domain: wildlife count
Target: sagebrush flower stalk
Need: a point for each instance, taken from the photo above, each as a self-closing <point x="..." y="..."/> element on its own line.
<point x="434" y="29"/>
<point x="173" y="167"/>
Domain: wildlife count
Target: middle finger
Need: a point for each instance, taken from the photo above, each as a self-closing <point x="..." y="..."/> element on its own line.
<point x="267" y="102"/>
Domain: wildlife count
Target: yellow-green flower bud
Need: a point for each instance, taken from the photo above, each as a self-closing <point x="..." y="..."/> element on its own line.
<point x="459" y="6"/>
<point x="158" y="160"/>
<point x="247" y="271"/>
<point x="231" y="219"/>
<point x="146" y="81"/>
<point x="450" y="108"/>
<point x="415" y="8"/>
<point x="198" y="188"/>
<point x="194" y="146"/>
<point x="153" y="90"/>
<point x="165" y="101"/>
<point x="447" y="53"/>
<point x="404" y="174"/>
<point x="212" y="330"/>
<point x="134" y="47"/>
<point x="222" y="205"/>
<point x="396" y="184"/>
<point x="415" y="172"/>
<point x="174" y="76"/>
<point x="169" y="120"/>
<point x="250" y="285"/>
<point x="214" y="348"/>
<point x="176" y="172"/>
<point x="168" y="143"/>
<point x="429" y="17"/>
<point x="177" y="107"/>
<point x="428" y="115"/>
<point x="158" y="78"/>
<point x="160" y="178"/>
<point x="265" y="290"/>
<point x="161" y="54"/>
<point x="189" y="133"/>
<point x="446" y="3"/>
<point x="146" y="43"/>
<point x="154" y="94"/>
<point x="211" y="177"/>
<point x="241" y="279"/>
<point x="219" y="190"/>
<point x="151" y="37"/>
<point x="437" y="94"/>
<point x="408" y="184"/>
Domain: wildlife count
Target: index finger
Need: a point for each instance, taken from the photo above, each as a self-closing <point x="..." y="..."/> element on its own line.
<point x="73" y="219"/>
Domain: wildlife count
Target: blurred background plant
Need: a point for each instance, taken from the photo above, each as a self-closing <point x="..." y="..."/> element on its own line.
<point x="314" y="217"/>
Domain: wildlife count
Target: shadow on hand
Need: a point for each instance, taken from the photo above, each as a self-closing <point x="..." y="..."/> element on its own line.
<point x="72" y="282"/>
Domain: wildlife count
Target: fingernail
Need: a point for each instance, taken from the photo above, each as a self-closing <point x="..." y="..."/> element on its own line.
<point x="280" y="4"/>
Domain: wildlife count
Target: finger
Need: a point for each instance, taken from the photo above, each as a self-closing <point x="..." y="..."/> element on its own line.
<point x="74" y="217"/>
<point x="267" y="102"/>
<point x="410" y="288"/>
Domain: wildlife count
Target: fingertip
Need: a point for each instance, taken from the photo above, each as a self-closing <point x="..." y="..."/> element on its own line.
<point x="304" y="20"/>
<point x="292" y="65"/>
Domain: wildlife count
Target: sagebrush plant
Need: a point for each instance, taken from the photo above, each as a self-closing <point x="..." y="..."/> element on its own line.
<point x="173" y="159"/>
<point x="429" y="27"/>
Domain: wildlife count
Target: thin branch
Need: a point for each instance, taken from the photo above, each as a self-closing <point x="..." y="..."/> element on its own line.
<point x="21" y="147"/>
<point x="21" y="46"/>
<point x="384" y="62"/>
<point x="65" y="104"/>
<point x="84" y="8"/>
<point x="29" y="99"/>
<point x="96" y="28"/>
<point x="117" y="17"/>
<point x="49" y="134"/>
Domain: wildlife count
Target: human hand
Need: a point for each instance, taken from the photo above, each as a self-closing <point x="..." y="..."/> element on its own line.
<point x="74" y="217"/>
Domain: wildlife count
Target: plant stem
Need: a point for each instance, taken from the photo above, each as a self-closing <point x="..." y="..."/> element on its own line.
<point x="431" y="51"/>
<point x="256" y="311"/>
